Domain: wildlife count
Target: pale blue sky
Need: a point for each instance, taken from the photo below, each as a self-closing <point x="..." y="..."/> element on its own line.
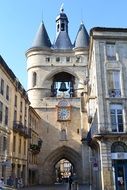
<point x="20" y="19"/>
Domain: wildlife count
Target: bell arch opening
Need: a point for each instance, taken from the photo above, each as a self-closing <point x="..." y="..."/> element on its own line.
<point x="63" y="85"/>
<point x="49" y="167"/>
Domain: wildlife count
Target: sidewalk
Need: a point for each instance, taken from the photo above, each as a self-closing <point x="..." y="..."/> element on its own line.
<point x="55" y="187"/>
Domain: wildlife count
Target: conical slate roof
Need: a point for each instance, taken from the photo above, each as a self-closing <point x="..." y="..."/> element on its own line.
<point x="41" y="39"/>
<point x="82" y="38"/>
<point x="63" y="41"/>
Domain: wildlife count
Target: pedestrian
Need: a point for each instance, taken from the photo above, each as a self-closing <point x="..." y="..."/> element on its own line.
<point x="1" y="183"/>
<point x="19" y="183"/>
<point x="10" y="181"/>
<point x="16" y="182"/>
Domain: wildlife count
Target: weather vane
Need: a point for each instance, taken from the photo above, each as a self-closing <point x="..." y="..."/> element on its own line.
<point x="61" y="8"/>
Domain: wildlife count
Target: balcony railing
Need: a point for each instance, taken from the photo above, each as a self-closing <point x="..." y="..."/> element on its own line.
<point x="99" y="130"/>
<point x="114" y="93"/>
<point x="18" y="127"/>
<point x="35" y="148"/>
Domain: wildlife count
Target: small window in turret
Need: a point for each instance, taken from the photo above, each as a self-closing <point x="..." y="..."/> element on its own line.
<point x="67" y="59"/>
<point x="62" y="26"/>
<point x="78" y="59"/>
<point x="47" y="59"/>
<point x="58" y="27"/>
<point x="34" y="79"/>
<point x="57" y="59"/>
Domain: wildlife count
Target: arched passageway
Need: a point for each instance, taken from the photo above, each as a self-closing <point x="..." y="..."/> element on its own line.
<point x="63" y="169"/>
<point x="48" y="175"/>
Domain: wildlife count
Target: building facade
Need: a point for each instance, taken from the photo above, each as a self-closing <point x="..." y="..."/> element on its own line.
<point x="14" y="131"/>
<point x="79" y="90"/>
<point x="107" y="105"/>
<point x="34" y="147"/>
<point x="56" y="75"/>
<point x="77" y="106"/>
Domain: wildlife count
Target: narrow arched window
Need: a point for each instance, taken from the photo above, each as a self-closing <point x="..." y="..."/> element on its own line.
<point x="34" y="78"/>
<point x="58" y="26"/>
<point x="63" y="135"/>
<point x="62" y="26"/>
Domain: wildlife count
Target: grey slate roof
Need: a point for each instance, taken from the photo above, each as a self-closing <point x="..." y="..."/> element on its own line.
<point x="63" y="41"/>
<point x="41" y="39"/>
<point x="82" y="38"/>
<point x="62" y="16"/>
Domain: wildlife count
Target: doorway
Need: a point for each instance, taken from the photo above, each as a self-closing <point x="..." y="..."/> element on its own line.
<point x="120" y="167"/>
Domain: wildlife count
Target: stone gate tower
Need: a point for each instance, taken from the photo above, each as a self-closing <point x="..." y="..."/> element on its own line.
<point x="56" y="83"/>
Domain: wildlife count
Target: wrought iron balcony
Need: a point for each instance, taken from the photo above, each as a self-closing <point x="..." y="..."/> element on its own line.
<point x="18" y="127"/>
<point x="35" y="148"/>
<point x="114" y="93"/>
<point x="103" y="130"/>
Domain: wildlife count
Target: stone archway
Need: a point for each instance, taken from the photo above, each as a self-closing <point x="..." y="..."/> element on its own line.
<point x="64" y="152"/>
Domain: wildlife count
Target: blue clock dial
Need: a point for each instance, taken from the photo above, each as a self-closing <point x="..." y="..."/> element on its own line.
<point x="63" y="114"/>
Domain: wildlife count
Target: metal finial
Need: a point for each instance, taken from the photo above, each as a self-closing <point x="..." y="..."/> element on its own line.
<point x="62" y="8"/>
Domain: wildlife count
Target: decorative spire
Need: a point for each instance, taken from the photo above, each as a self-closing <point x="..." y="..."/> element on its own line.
<point x="62" y="8"/>
<point x="62" y="38"/>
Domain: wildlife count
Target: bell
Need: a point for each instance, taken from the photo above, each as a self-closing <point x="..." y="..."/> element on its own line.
<point x="63" y="87"/>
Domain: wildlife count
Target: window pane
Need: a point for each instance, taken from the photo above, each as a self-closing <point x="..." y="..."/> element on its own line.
<point x="116" y="115"/>
<point x="6" y="116"/>
<point x="7" y="92"/>
<point x="2" y="87"/>
<point x="113" y="119"/>
<point x="1" y="111"/>
<point x="34" y="79"/>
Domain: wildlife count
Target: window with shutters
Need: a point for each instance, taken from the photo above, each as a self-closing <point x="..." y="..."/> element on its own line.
<point x="7" y="92"/>
<point x="1" y="112"/>
<point x="116" y="115"/>
<point x="4" y="143"/>
<point x="14" y="143"/>
<point x="2" y="87"/>
<point x="20" y="146"/>
<point x="114" y="89"/>
<point x="6" y="115"/>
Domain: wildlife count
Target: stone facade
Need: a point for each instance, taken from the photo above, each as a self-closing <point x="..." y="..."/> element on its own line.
<point x="108" y="95"/>
<point x="54" y="66"/>
<point x="78" y="96"/>
<point x="34" y="147"/>
<point x="13" y="125"/>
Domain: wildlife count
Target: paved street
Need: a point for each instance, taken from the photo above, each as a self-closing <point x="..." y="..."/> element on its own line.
<point x="56" y="187"/>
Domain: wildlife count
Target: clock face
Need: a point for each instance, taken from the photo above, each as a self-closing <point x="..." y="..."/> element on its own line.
<point x="63" y="114"/>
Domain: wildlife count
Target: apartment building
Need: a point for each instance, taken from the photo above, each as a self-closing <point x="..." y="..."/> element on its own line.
<point x="107" y="108"/>
<point x="14" y="133"/>
<point x="34" y="147"/>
